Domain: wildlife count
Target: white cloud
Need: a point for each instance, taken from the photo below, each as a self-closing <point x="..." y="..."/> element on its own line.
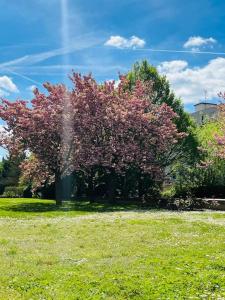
<point x="172" y="66"/>
<point x="116" y="82"/>
<point x="190" y="83"/>
<point x="121" y="42"/>
<point x="194" y="42"/>
<point x="7" y="86"/>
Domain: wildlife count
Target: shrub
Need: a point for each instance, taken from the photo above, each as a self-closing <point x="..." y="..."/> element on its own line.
<point x="14" y="191"/>
<point x="190" y="203"/>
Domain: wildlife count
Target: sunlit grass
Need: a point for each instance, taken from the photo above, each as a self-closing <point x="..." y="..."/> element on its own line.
<point x="28" y="208"/>
<point x="110" y="255"/>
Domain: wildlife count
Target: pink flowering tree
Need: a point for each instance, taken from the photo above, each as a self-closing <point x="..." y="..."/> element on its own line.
<point x="86" y="127"/>
<point x="219" y="142"/>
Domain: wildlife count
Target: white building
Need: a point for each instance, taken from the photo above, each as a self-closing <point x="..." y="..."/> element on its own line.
<point x="204" y="111"/>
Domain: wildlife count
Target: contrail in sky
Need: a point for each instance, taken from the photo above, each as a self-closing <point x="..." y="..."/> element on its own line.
<point x="22" y="76"/>
<point x="180" y="51"/>
<point x="63" y="51"/>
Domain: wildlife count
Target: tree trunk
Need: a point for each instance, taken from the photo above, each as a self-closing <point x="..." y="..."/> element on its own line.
<point x="58" y="189"/>
<point x="125" y="190"/>
<point x="112" y="188"/>
<point x="63" y="188"/>
<point x="141" y="190"/>
<point x="90" y="190"/>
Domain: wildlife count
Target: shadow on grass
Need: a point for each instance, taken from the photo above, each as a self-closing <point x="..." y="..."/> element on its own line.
<point x="69" y="206"/>
<point x="31" y="207"/>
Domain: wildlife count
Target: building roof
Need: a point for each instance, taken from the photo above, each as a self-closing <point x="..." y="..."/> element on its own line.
<point x="205" y="103"/>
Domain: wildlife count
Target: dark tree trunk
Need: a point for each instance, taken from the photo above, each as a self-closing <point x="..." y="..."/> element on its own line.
<point x="63" y="188"/>
<point x="58" y="189"/>
<point x="112" y="188"/>
<point x="141" y="189"/>
<point x="90" y="190"/>
<point x="125" y="188"/>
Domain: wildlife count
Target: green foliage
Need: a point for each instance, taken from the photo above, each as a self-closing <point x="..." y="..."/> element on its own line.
<point x="14" y="191"/>
<point x="168" y="192"/>
<point x="203" y="181"/>
<point x="9" y="173"/>
<point x="206" y="135"/>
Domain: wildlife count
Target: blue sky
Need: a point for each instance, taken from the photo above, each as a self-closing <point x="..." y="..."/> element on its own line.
<point x="43" y="40"/>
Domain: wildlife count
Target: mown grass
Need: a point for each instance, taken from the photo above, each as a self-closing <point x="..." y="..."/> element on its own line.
<point x="28" y="208"/>
<point x="111" y="255"/>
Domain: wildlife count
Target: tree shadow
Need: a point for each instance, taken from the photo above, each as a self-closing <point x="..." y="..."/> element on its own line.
<point x="82" y="206"/>
<point x="31" y="207"/>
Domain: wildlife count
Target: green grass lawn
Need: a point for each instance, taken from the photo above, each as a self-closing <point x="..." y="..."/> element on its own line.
<point x="102" y="252"/>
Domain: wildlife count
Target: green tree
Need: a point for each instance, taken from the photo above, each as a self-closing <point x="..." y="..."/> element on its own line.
<point x="161" y="92"/>
<point x="206" y="177"/>
<point x="9" y="172"/>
